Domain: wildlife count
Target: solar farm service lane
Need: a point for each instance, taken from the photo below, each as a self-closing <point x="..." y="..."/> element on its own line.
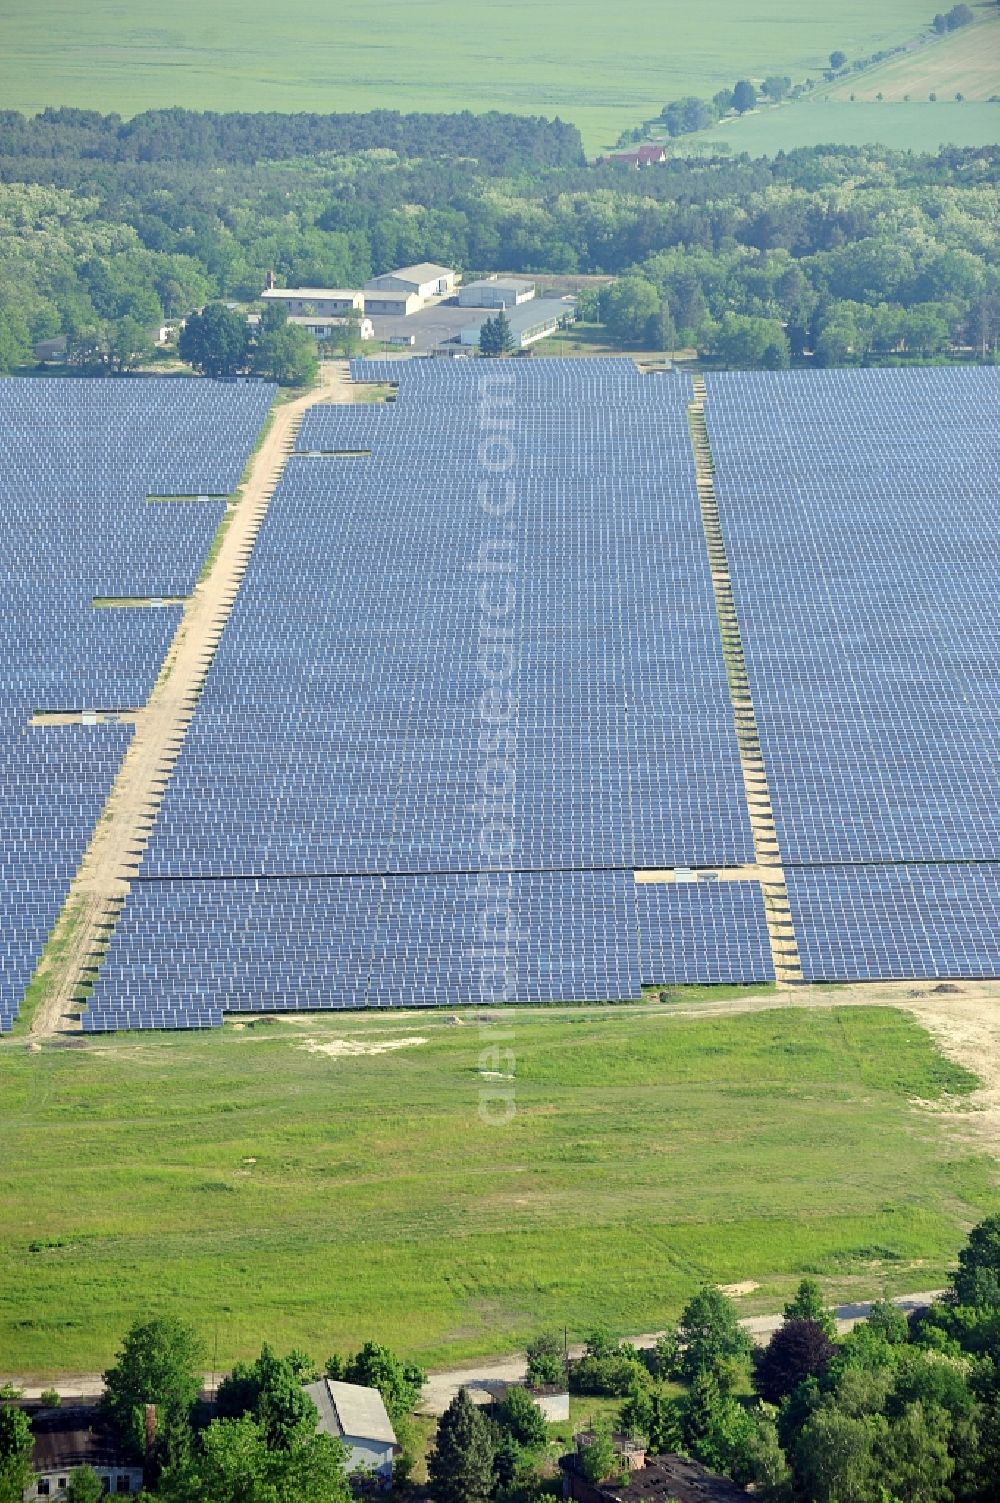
<point x="80" y="461"/>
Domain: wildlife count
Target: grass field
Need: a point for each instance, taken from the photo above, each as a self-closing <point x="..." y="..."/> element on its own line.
<point x="902" y="127"/>
<point x="575" y="58"/>
<point x="267" y="1189"/>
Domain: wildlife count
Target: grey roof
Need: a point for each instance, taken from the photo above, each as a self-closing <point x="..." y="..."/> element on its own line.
<point x="424" y="271"/>
<point x="347" y="1409"/>
<point x="518" y="284"/>
<point x="539" y="311"/>
<point x="310" y="292"/>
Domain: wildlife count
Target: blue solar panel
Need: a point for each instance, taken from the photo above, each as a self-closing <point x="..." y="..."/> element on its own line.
<point x="859" y="511"/>
<point x="702" y="933"/>
<point x="81" y="463"/>
<point x="880" y="923"/>
<point x="341" y="730"/>
<point x="335" y="942"/>
<point x="331" y="785"/>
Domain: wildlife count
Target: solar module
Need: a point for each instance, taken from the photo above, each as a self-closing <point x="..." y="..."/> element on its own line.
<point x="702" y="933"/>
<point x="81" y="465"/>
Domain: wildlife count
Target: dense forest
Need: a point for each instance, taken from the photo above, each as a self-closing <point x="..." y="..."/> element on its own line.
<point x="827" y="254"/>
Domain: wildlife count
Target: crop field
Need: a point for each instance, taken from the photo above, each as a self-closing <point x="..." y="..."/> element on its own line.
<point x="321" y="1180"/>
<point x="574" y="58"/>
<point x="902" y="127"/>
<point x="966" y="62"/>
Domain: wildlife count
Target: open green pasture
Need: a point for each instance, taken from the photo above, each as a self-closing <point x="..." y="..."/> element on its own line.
<point x="916" y="126"/>
<point x="588" y="62"/>
<point x="266" y="1187"/>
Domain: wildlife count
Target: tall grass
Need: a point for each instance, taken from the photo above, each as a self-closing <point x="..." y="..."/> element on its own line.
<point x="266" y="1191"/>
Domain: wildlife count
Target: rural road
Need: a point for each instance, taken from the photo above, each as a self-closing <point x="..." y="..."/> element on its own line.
<point x="441" y="1387"/>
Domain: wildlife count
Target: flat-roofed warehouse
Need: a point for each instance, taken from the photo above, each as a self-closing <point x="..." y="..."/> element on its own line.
<point x="323" y="301"/>
<point x="426" y="279"/>
<point x="391" y="303"/>
<point x="495" y="292"/>
<point x="529" y="323"/>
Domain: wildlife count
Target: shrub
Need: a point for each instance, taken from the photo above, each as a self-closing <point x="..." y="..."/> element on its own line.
<point x="522" y="1418"/>
<point x="606" y="1377"/>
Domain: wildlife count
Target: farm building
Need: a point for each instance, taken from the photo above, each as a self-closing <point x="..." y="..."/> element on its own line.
<point x="425" y="280"/>
<point x="326" y="328"/>
<point x="643" y="156"/>
<point x="529" y="323"/>
<point x="323" y="301"/>
<point x="391" y="302"/>
<point x="357" y="1417"/>
<point x="65" y="1439"/>
<point x="495" y="292"/>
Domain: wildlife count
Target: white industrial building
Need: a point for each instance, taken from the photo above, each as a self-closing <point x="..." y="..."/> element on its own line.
<point x="326" y="328"/>
<point x="535" y="320"/>
<point x="323" y="328"/>
<point x="495" y="292"/>
<point x="357" y="1417"/>
<point x="425" y="280"/>
<point x="323" y="301"/>
<point x="391" y="303"/>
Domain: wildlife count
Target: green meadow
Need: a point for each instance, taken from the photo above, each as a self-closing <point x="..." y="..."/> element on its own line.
<point x="266" y="1187"/>
<point x="913" y="126"/>
<point x="588" y="62"/>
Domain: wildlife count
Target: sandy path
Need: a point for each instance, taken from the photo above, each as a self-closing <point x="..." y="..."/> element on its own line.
<point x="123" y="829"/>
<point x="441" y="1387"/>
<point x="487" y="1376"/>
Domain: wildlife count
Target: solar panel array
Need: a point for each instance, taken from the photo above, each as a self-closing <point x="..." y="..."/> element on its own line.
<point x="185" y="951"/>
<point x="866" y="923"/>
<point x="78" y="461"/>
<point x="860" y="515"/>
<point x="342" y="733"/>
<point x="473" y="679"/>
<point x="703" y="932"/>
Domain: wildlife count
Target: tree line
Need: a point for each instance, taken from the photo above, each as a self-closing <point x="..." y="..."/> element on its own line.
<point x="898" y="1411"/>
<point x="846" y="254"/>
<point x="497" y="140"/>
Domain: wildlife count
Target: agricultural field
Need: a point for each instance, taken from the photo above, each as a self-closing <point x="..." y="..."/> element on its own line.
<point x="234" y="1178"/>
<point x="900" y="127"/>
<point x="967" y="62"/>
<point x="850" y="112"/>
<point x="569" y="58"/>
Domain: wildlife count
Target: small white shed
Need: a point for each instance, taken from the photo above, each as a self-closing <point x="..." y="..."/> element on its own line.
<point x="357" y="1416"/>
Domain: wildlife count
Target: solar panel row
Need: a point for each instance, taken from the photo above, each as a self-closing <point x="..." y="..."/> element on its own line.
<point x="80" y="461"/>
<point x="431" y="941"/>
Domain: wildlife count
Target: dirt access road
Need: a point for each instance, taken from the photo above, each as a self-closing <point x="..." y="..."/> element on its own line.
<point x="102" y="880"/>
<point x="490" y="1376"/>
